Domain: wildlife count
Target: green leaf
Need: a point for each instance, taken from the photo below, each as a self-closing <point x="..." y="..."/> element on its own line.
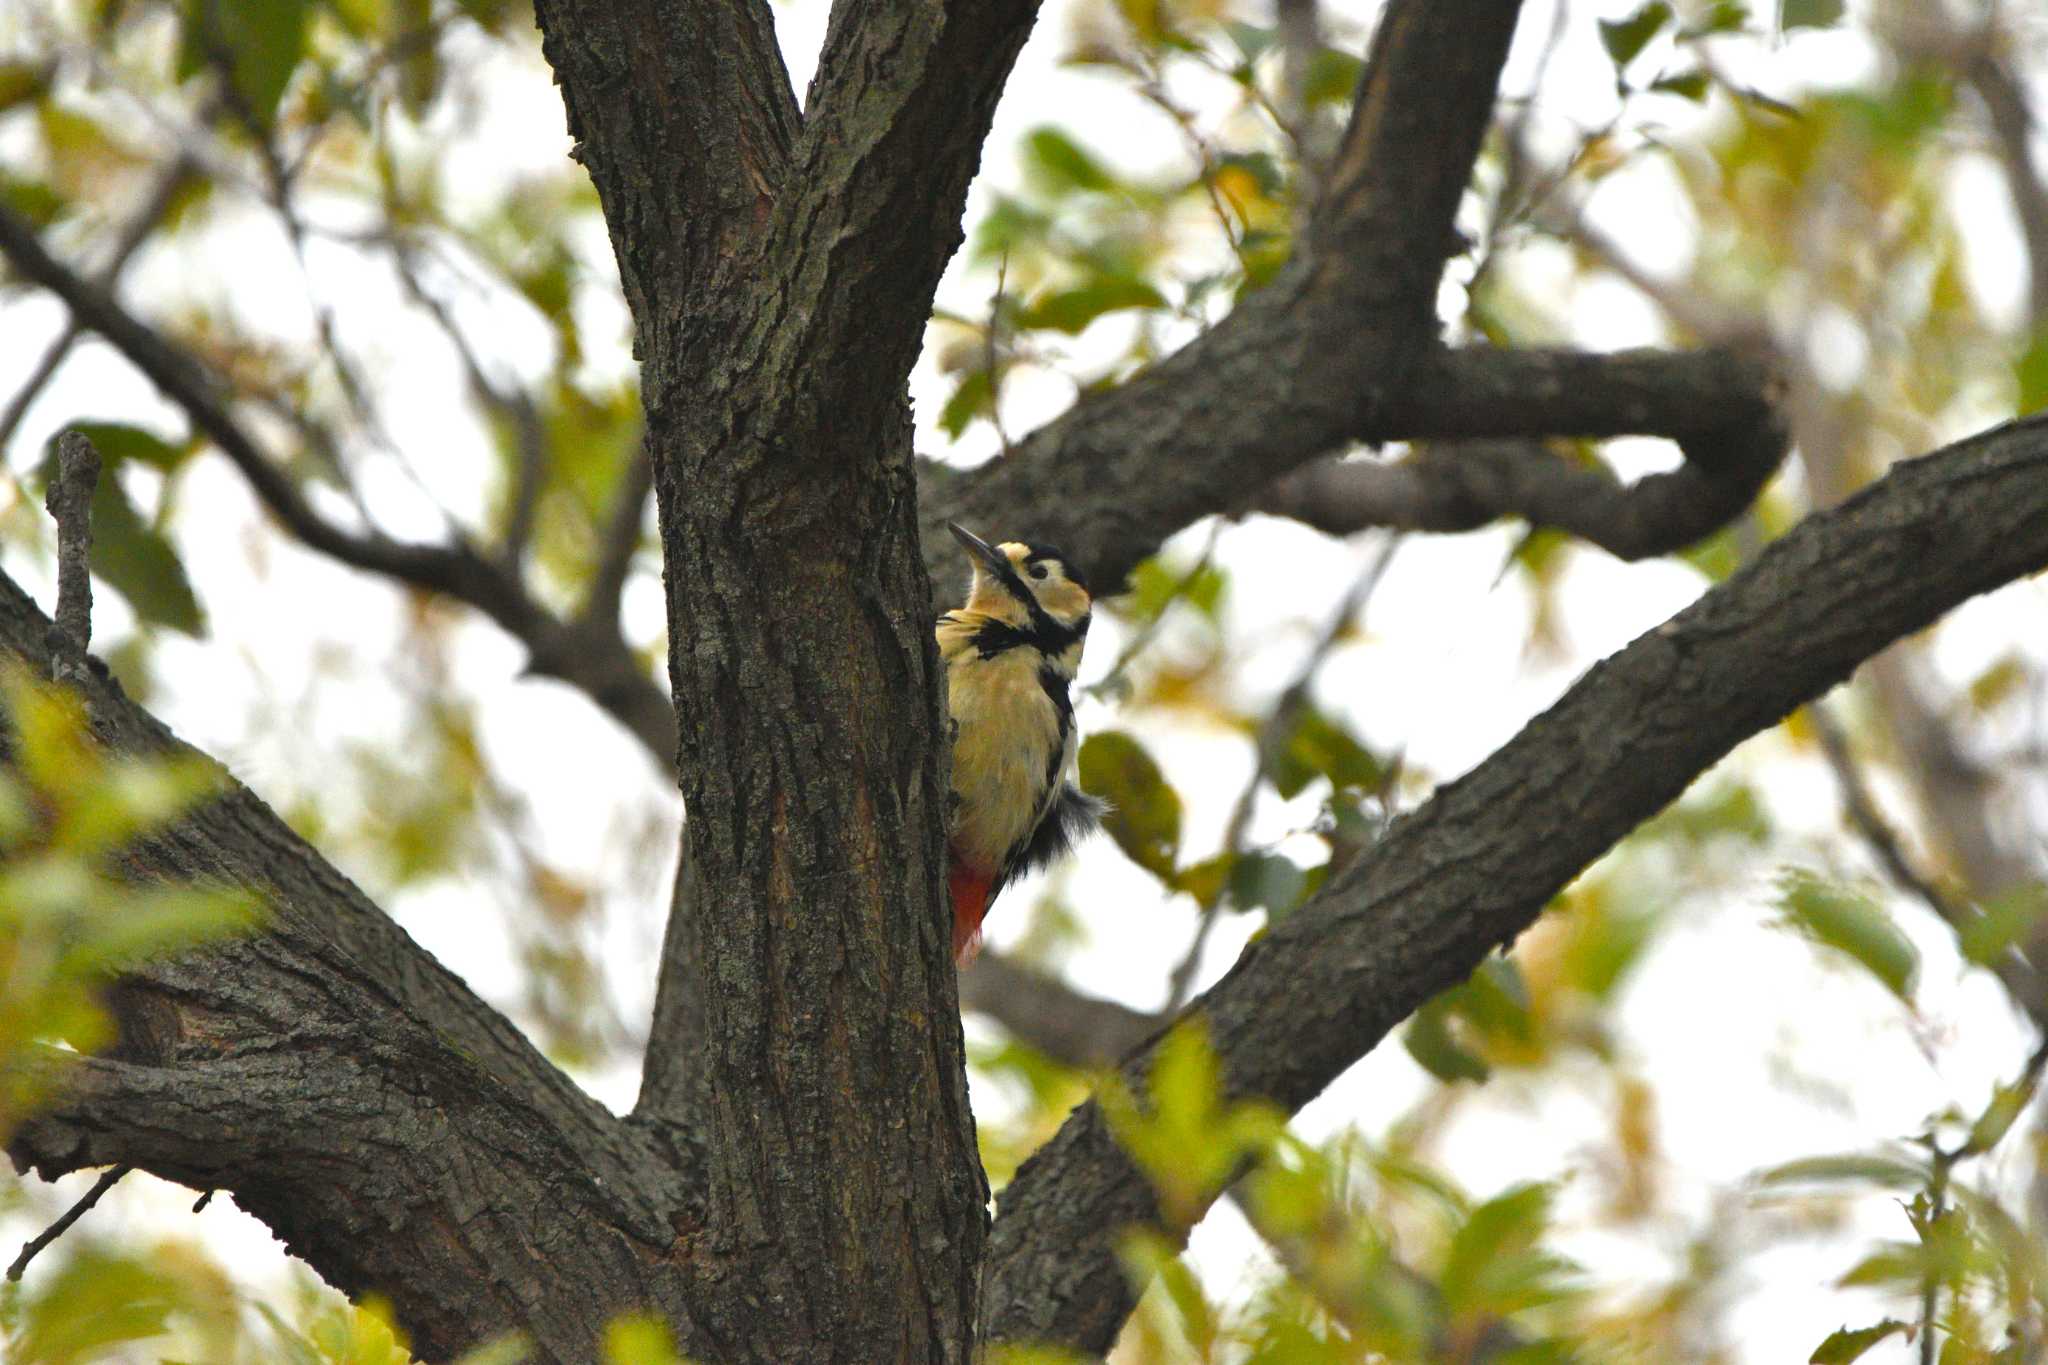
<point x="1060" y="165"/>
<point x="516" y="1349"/>
<point x="1156" y="585"/>
<point x="154" y="923"/>
<point x="1430" y="1042"/>
<point x="1690" y="85"/>
<point x="1894" y="1265"/>
<point x="1321" y="746"/>
<point x="1495" y="1000"/>
<point x="1261" y="166"/>
<point x="1884" y="1171"/>
<point x="972" y="397"/>
<point x="639" y="1339"/>
<point x="118" y="442"/>
<point x="1071" y="310"/>
<point x="1848" y="1344"/>
<point x="1726" y="809"/>
<point x="260" y="44"/>
<point x="1603" y="941"/>
<point x="1144" y="812"/>
<point x="1181" y="1130"/>
<point x="1206" y="880"/>
<point x="95" y="1302"/>
<point x="1251" y="40"/>
<point x="1333" y="74"/>
<point x="1011" y="226"/>
<point x="1270" y="882"/>
<point x="1809" y="13"/>
<point x="137" y="561"/>
<point x="2031" y="370"/>
<point x="2006" y="920"/>
<point x="132" y="796"/>
<point x="1151" y="1259"/>
<point x="32" y="199"/>
<point x="1494" y="1264"/>
<point x="1723" y="16"/>
<point x="22" y="81"/>
<point x="2008" y="1102"/>
<point x="1853" y="925"/>
<point x="1625" y="39"/>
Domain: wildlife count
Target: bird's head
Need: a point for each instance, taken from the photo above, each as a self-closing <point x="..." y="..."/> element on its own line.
<point x="1026" y="585"/>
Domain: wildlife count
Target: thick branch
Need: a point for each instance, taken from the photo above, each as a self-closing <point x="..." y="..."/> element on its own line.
<point x="1319" y="358"/>
<point x="1712" y="403"/>
<point x="894" y="126"/>
<point x="683" y="114"/>
<point x="1716" y="404"/>
<point x="1067" y="1026"/>
<point x="1474" y="866"/>
<point x="780" y="283"/>
<point x="350" y="1091"/>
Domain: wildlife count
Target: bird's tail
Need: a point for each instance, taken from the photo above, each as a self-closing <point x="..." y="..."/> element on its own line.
<point x="971" y="892"/>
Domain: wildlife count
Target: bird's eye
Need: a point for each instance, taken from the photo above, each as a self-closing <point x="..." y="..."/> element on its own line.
<point x="1038" y="570"/>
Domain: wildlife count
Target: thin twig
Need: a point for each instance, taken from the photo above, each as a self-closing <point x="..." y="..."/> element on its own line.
<point x="145" y="222"/>
<point x="2019" y="977"/>
<point x="1942" y="1164"/>
<point x="514" y="405"/>
<point x="1111" y="680"/>
<point x="989" y="356"/>
<point x="1279" y="722"/>
<point x="107" y="1181"/>
<point x="621" y="538"/>
<point x="70" y="502"/>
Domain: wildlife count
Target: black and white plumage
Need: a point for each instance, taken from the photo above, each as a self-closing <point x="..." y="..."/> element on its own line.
<point x="1011" y="654"/>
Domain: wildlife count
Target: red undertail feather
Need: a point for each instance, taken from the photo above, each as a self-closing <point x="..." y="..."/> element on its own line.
<point x="971" y="893"/>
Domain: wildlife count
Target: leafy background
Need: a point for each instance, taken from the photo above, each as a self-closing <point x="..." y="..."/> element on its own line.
<point x="1741" y="1095"/>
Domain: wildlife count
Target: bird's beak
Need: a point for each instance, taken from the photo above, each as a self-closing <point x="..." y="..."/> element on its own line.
<point x="979" y="549"/>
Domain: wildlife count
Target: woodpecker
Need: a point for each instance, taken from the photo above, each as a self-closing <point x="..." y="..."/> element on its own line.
<point x="1010" y="657"/>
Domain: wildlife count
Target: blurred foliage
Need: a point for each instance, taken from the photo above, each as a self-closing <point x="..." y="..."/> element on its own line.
<point x="1825" y="219"/>
<point x="69" y="919"/>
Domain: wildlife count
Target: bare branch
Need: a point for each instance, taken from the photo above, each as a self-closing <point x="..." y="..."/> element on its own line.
<point x="2012" y="127"/>
<point x="1716" y="404"/>
<point x="1069" y="1027"/>
<point x="1713" y="403"/>
<point x="1471" y="868"/>
<point x="623" y="532"/>
<point x="514" y="406"/>
<point x="110" y="1178"/>
<point x="69" y="499"/>
<point x="596" y="661"/>
<point x="146" y="220"/>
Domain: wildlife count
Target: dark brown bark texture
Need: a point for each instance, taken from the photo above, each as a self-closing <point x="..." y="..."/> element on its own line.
<point x="799" y="1181"/>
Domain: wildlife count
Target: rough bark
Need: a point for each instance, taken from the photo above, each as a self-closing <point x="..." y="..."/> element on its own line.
<point x="397" y="1132"/>
<point x="845" y="1198"/>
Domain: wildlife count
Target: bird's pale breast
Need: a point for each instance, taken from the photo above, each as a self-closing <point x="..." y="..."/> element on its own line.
<point x="1007" y="731"/>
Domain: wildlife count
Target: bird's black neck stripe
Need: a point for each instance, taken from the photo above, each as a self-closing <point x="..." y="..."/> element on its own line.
<point x="1044" y="634"/>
